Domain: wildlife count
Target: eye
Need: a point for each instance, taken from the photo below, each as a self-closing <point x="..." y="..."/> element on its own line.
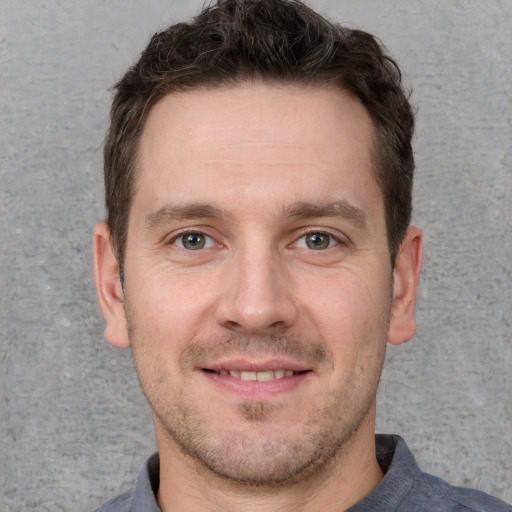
<point x="193" y="241"/>
<point x="317" y="241"/>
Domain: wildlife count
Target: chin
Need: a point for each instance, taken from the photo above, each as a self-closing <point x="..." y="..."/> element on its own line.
<point x="259" y="453"/>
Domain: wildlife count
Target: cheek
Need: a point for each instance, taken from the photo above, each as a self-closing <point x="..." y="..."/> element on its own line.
<point x="168" y="311"/>
<point x="165" y="293"/>
<point x="351" y="313"/>
<point x="347" y="298"/>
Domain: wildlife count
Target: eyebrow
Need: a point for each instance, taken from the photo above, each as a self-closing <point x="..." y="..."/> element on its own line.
<point x="298" y="210"/>
<point x="339" y="208"/>
<point x="170" y="213"/>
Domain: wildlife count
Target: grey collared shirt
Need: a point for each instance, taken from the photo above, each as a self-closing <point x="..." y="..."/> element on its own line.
<point x="404" y="488"/>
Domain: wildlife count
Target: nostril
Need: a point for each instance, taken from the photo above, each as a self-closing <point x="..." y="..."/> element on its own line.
<point x="232" y="326"/>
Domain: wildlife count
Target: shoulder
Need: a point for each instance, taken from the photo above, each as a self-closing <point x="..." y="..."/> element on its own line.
<point x="478" y="501"/>
<point x="459" y="499"/>
<point x="405" y="488"/>
<point x="429" y="492"/>
<point x="121" y="503"/>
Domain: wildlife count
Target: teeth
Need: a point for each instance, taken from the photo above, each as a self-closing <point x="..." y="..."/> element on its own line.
<point x="249" y="375"/>
<point x="263" y="376"/>
<point x="259" y="376"/>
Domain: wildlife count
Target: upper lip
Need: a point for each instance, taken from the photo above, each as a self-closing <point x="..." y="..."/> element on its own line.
<point x="256" y="365"/>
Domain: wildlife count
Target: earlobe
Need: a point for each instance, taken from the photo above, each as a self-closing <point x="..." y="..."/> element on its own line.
<point x="406" y="275"/>
<point x="109" y="288"/>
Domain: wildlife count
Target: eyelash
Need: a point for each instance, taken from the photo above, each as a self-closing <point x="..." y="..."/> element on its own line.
<point x="183" y="234"/>
<point x="333" y="239"/>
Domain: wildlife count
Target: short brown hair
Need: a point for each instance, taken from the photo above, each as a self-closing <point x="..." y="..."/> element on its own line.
<point x="232" y="41"/>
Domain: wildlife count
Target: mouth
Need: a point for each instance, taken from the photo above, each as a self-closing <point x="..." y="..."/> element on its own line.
<point x="257" y="381"/>
<point x="260" y="376"/>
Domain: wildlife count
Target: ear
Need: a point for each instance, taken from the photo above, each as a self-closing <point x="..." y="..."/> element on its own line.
<point x="406" y="276"/>
<point x="109" y="288"/>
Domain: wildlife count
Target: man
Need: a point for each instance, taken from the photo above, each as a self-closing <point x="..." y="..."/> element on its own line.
<point x="257" y="257"/>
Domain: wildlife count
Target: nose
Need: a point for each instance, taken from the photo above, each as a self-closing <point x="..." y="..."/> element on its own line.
<point x="257" y="295"/>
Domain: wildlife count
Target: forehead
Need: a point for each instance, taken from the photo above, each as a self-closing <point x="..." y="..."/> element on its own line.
<point x="251" y="105"/>
<point x="250" y="137"/>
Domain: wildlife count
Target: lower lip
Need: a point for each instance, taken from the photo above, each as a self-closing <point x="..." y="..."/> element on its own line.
<point x="254" y="389"/>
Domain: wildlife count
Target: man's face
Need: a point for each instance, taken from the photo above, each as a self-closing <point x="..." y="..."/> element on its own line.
<point x="258" y="288"/>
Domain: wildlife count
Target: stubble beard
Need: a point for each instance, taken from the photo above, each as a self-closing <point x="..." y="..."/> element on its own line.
<point x="250" y="460"/>
<point x="263" y="463"/>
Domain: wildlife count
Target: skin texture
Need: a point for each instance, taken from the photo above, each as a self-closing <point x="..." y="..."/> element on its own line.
<point x="235" y="187"/>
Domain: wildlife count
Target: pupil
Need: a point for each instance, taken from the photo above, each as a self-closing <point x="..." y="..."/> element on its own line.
<point x="317" y="241"/>
<point x="193" y="241"/>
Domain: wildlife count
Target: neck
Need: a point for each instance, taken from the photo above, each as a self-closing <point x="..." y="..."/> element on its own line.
<point x="187" y="486"/>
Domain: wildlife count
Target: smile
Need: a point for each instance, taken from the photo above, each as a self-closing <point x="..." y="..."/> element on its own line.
<point x="256" y="383"/>
<point x="259" y="376"/>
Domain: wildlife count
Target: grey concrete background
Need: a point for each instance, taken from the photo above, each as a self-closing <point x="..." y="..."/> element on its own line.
<point x="73" y="424"/>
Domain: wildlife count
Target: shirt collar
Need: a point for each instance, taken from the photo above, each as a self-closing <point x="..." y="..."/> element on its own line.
<point x="146" y="488"/>
<point x="400" y="468"/>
